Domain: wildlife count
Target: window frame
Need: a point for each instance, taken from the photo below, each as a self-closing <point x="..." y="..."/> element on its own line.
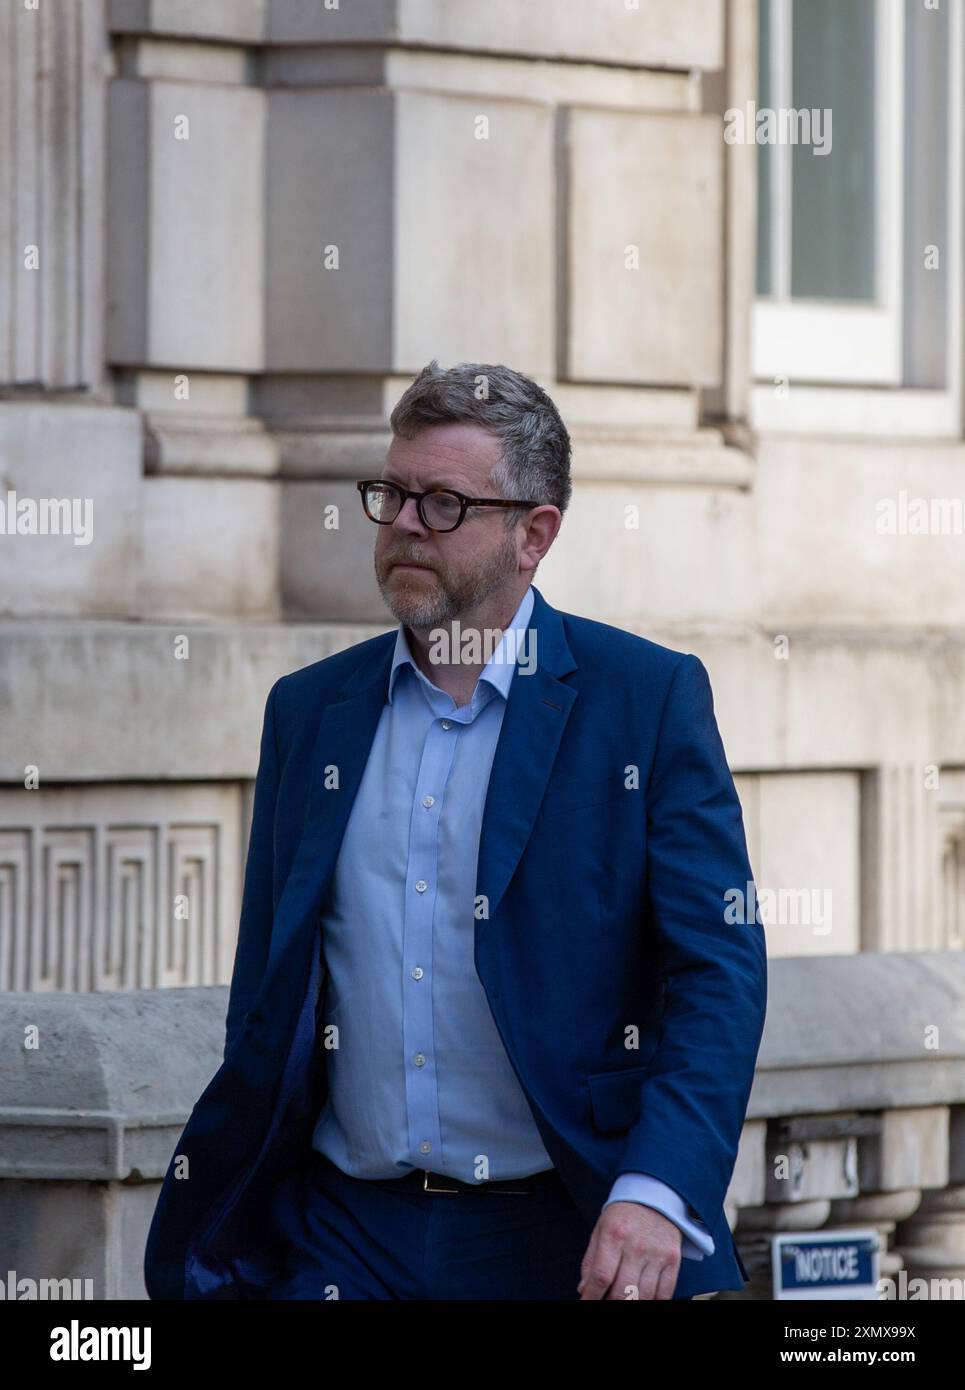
<point x="782" y="402"/>
<point x="840" y="341"/>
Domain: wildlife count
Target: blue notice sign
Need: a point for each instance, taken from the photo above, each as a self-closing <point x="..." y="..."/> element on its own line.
<point x="826" y="1264"/>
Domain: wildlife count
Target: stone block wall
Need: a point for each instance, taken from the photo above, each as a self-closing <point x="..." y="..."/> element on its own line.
<point x="232" y="233"/>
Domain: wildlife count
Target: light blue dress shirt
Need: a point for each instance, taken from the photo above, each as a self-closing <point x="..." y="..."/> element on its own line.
<point x="418" y="1075"/>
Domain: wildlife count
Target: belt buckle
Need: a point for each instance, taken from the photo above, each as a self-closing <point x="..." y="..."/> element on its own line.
<point x="426" y="1172"/>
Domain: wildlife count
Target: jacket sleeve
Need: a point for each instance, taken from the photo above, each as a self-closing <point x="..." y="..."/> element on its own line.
<point x="257" y="903"/>
<point x="714" y="961"/>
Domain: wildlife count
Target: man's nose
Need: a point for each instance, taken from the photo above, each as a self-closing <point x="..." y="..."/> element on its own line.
<point x="409" y="517"/>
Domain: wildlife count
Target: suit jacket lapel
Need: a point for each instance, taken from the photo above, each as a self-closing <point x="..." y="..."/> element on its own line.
<point x="345" y="734"/>
<point x="538" y="707"/>
<point x="536" y="713"/>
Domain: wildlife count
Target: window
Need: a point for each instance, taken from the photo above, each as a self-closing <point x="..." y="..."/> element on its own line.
<point x="855" y="249"/>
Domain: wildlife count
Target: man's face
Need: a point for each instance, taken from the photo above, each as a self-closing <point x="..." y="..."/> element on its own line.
<point x="464" y="567"/>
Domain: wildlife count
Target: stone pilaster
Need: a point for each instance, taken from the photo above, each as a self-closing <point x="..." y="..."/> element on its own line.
<point x="53" y="67"/>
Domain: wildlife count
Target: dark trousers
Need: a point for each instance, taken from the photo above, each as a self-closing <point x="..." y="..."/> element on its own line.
<point x="348" y="1237"/>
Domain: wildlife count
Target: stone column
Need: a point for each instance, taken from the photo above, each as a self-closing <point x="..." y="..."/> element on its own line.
<point x="932" y="1240"/>
<point x="901" y="859"/>
<point x="53" y="69"/>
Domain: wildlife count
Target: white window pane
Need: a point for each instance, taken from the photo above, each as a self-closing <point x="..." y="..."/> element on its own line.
<point x="765" y="154"/>
<point x="833" y="234"/>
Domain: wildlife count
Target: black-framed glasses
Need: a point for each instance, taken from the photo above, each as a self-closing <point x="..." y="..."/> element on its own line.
<point x="440" y="508"/>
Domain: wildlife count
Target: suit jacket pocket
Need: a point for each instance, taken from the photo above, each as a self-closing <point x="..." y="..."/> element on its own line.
<point x="575" y="794"/>
<point x="615" y="1096"/>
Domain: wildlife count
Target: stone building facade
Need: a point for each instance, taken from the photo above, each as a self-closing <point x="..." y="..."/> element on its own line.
<point x="230" y="234"/>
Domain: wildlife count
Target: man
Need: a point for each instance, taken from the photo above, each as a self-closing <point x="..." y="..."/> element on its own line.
<point x="490" y="1033"/>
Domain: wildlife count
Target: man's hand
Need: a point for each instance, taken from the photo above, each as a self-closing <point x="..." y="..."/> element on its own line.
<point x="634" y="1252"/>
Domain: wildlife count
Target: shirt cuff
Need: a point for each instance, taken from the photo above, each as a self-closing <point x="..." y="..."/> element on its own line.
<point x="651" y="1192"/>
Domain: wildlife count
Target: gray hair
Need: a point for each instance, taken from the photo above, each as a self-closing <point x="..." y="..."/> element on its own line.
<point x="535" y="461"/>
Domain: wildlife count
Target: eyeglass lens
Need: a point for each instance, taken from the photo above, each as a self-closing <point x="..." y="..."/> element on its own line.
<point x="441" y="509"/>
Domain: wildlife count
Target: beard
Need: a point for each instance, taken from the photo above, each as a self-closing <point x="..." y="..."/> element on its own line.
<point x="434" y="602"/>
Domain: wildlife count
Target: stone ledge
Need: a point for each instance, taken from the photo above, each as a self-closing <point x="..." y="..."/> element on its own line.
<point x="684" y="36"/>
<point x="176" y="443"/>
<point x="93" y="1103"/>
<point x="106" y="699"/>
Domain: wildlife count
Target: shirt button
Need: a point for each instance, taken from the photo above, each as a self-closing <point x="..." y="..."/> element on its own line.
<point x="428" y="801"/>
<point x="419" y="1059"/>
<point x="447" y="723"/>
<point x="425" y="1147"/>
<point x="421" y="886"/>
<point x="417" y="972"/>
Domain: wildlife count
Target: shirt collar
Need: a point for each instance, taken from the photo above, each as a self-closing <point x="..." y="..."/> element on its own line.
<point x="498" y="671"/>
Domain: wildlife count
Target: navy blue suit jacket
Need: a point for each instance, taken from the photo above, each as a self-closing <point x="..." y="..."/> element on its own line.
<point x="605" y="925"/>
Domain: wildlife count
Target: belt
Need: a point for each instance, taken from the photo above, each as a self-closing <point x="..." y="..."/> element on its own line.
<point x="425" y="1180"/>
